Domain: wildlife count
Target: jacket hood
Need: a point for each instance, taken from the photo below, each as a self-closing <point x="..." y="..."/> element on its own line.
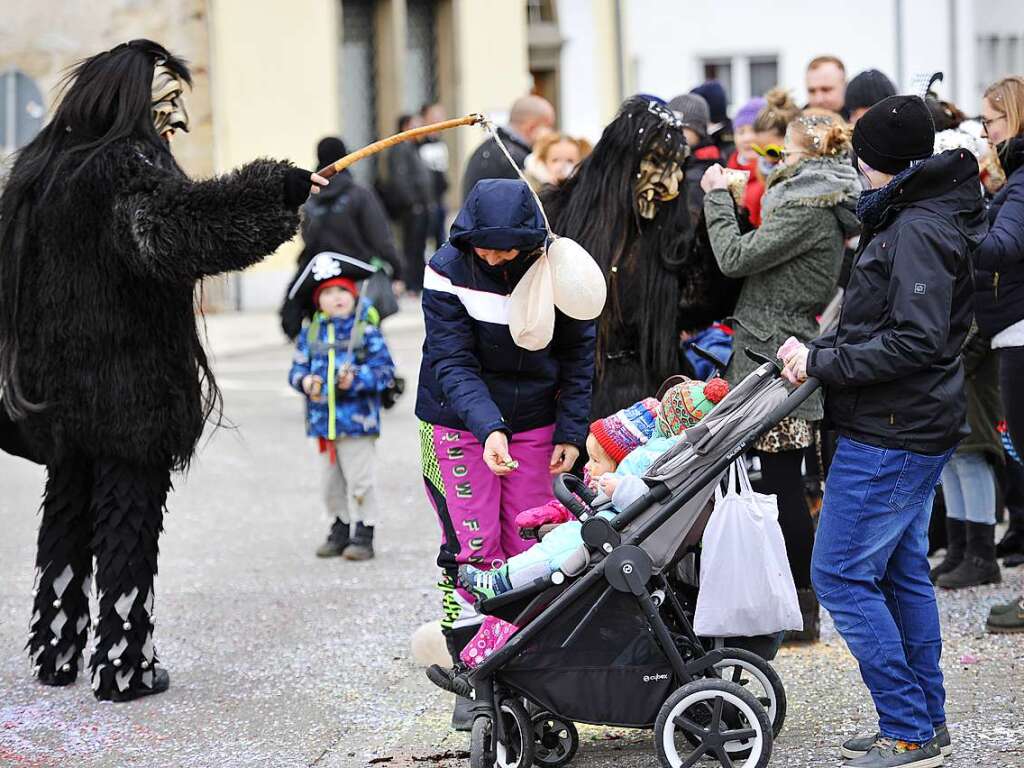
<point x="499" y="214"/>
<point x="947" y="184"/>
<point x="817" y="182"/>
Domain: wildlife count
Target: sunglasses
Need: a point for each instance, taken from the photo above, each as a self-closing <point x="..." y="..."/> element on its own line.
<point x="771" y="151"/>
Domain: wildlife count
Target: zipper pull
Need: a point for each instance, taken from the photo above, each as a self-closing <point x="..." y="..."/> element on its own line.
<point x="995" y="285"/>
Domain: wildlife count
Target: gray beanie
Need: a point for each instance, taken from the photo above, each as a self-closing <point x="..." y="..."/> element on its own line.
<point x="693" y="111"/>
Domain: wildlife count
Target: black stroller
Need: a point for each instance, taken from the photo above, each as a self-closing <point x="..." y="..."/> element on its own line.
<point x="614" y="645"/>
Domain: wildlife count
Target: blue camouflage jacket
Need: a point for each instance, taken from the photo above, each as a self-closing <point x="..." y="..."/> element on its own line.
<point x="322" y="350"/>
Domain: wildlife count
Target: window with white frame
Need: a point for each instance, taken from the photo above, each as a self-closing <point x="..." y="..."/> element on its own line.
<point x="720" y="70"/>
<point x="998" y="56"/>
<point x="742" y="75"/>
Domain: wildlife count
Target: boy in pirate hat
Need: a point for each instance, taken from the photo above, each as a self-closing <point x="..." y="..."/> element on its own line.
<point x="342" y="365"/>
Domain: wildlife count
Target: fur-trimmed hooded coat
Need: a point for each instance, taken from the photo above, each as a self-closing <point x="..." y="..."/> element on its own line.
<point x="791" y="263"/>
<point x="107" y="324"/>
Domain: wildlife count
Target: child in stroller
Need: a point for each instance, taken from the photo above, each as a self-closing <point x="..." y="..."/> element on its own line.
<point x="621" y="447"/>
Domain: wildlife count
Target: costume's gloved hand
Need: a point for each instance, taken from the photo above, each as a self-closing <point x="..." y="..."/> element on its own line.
<point x="299" y="184"/>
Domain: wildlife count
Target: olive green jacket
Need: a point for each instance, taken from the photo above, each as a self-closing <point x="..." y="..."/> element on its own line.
<point x="984" y="403"/>
<point x="791" y="263"/>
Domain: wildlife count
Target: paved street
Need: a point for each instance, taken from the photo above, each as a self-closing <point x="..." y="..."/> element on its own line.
<point x="280" y="659"/>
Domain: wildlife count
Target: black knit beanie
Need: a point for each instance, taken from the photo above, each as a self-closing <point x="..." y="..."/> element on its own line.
<point x="893" y="133"/>
<point x="330" y="149"/>
<point x="867" y="89"/>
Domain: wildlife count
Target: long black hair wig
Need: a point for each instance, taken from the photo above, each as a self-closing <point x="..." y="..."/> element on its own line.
<point x="597" y="207"/>
<point x="102" y="99"/>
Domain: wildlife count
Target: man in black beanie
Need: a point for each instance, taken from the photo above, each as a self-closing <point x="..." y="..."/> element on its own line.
<point x="350" y="220"/>
<point x="894" y="390"/>
<point x="864" y="91"/>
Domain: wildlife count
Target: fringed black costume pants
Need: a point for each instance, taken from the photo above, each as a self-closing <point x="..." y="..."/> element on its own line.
<point x="111" y="512"/>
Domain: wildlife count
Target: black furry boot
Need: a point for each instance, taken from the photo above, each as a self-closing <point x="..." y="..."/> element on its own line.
<point x="60" y="617"/>
<point x="128" y="504"/>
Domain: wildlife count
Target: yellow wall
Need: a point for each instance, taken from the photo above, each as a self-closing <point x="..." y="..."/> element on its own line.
<point x="491" y="62"/>
<point x="274" y="75"/>
<point x="605" y="57"/>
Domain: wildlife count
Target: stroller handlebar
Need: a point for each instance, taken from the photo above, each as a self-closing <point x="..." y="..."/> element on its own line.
<point x="573" y="493"/>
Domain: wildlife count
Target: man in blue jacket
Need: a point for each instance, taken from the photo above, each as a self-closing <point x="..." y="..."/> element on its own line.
<point x="496" y="420"/>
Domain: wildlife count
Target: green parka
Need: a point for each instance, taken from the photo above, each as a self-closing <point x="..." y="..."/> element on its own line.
<point x="791" y="263"/>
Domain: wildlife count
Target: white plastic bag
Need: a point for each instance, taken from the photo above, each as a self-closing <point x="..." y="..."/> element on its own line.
<point x="746" y="587"/>
<point x="531" y="308"/>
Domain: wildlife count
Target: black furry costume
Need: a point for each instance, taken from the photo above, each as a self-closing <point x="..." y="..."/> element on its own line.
<point x="660" y="281"/>
<point x="102" y="241"/>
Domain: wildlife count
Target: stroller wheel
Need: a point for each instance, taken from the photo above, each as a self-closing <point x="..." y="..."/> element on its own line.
<point x="757" y="676"/>
<point x="516" y="751"/>
<point x="724" y="719"/>
<point x="555" y="741"/>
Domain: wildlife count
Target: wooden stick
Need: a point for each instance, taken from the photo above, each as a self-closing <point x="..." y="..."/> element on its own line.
<point x="398" y="138"/>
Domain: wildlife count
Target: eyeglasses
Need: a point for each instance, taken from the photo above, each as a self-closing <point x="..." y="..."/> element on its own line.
<point x="986" y="122"/>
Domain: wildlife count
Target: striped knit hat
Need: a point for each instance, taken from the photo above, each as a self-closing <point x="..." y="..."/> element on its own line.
<point x="687" y="403"/>
<point x="626" y="430"/>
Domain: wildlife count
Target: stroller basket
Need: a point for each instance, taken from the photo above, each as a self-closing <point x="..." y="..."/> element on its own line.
<point x="612" y="672"/>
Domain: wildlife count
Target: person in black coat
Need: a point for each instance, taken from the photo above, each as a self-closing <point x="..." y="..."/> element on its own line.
<point x="529" y="119"/>
<point x="894" y="384"/>
<point x="345" y="218"/>
<point x="434" y="152"/>
<point x="999" y="276"/>
<point x="412" y="188"/>
<point x="102" y="241"/>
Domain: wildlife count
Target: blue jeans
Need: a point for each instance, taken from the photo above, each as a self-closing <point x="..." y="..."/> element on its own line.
<point x="969" y="486"/>
<point x="870" y="570"/>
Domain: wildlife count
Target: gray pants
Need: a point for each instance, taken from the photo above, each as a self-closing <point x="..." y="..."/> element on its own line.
<point x="350" y="483"/>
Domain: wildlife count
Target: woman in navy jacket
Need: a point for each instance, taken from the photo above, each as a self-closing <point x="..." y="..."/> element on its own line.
<point x="496" y="420"/>
<point x="999" y="277"/>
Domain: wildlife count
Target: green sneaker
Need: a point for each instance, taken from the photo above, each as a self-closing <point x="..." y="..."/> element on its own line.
<point x="858" y="746"/>
<point x="892" y="753"/>
<point x="1003" y="607"/>
<point x="1008" y="621"/>
<point x="484" y="585"/>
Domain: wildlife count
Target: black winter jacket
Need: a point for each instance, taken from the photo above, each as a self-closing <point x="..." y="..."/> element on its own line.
<point x="892" y="370"/>
<point x="108" y="340"/>
<point x="999" y="260"/>
<point x="347" y="218"/>
<point x="409" y="180"/>
<point x="489" y="162"/>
